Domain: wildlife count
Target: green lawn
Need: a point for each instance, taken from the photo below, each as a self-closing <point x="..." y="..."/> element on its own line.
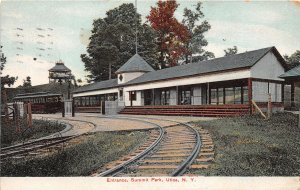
<point x="40" y="128"/>
<point x="251" y="146"/>
<point x="81" y="159"/>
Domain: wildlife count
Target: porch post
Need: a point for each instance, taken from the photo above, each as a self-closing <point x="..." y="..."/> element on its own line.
<point x="282" y="92"/>
<point x="208" y="94"/>
<point x="250" y="93"/>
<point x="292" y="94"/>
<point x="177" y="96"/>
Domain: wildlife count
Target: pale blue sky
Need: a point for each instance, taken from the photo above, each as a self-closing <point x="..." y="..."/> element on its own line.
<point x="248" y="25"/>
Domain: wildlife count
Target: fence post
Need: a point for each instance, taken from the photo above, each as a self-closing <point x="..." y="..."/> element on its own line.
<point x="63" y="108"/>
<point x="269" y="106"/>
<point x="29" y="115"/>
<point x="73" y="108"/>
<point x="299" y="118"/>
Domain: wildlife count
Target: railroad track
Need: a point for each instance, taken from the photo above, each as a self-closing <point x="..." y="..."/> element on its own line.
<point x="33" y="148"/>
<point x="168" y="151"/>
<point x="52" y="143"/>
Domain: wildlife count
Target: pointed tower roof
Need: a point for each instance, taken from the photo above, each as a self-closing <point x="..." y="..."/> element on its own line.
<point x="135" y="64"/>
<point x="59" y="67"/>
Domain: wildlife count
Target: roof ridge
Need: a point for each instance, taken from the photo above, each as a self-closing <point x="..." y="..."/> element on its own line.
<point x="135" y="64"/>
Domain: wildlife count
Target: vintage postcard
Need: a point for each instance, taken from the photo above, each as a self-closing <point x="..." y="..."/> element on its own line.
<point x="136" y="94"/>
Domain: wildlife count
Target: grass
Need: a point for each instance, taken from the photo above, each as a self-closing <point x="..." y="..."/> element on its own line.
<point x="40" y="128"/>
<point x="81" y="159"/>
<point x="251" y="146"/>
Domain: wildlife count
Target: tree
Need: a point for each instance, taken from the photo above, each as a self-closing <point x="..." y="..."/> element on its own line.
<point x="293" y="60"/>
<point x="231" y="51"/>
<point x="196" y="31"/>
<point x="5" y="81"/>
<point x="112" y="42"/>
<point x="172" y="35"/>
<point x="27" y="82"/>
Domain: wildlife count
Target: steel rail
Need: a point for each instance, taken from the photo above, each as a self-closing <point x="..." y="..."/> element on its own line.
<point x="113" y="171"/>
<point x="66" y="129"/>
<point x="43" y="140"/>
<point x="182" y="167"/>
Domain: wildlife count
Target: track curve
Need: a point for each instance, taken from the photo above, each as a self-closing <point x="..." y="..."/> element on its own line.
<point x="155" y="157"/>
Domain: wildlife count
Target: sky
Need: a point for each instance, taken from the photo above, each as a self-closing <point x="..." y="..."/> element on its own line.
<point x="59" y="30"/>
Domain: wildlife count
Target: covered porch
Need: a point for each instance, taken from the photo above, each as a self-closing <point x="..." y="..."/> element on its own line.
<point x="222" y="98"/>
<point x="214" y="93"/>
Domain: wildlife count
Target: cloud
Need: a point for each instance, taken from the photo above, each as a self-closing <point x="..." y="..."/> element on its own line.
<point x="13" y="15"/>
<point x="252" y="36"/>
<point x="37" y="71"/>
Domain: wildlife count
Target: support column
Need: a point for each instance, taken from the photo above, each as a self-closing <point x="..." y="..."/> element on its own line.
<point x="208" y="94"/>
<point x="177" y="96"/>
<point x="250" y="94"/>
<point x="282" y="92"/>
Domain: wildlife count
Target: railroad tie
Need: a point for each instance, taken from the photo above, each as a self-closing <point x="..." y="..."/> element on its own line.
<point x="206" y="154"/>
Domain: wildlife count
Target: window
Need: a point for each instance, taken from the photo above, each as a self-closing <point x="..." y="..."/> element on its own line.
<point x="220" y="96"/>
<point x="120" y="77"/>
<point x="132" y="96"/>
<point x="121" y="94"/>
<point x="245" y="95"/>
<point x="213" y="96"/>
<point x="229" y="98"/>
<point x="165" y="97"/>
<point x="237" y="95"/>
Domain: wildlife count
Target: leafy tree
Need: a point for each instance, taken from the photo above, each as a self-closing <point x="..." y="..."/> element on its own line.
<point x="27" y="82"/>
<point x="112" y="42"/>
<point x="197" y="41"/>
<point x="231" y="51"/>
<point x="293" y="60"/>
<point x="172" y="35"/>
<point x="5" y="81"/>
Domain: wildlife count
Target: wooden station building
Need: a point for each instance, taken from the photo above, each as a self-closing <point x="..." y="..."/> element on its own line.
<point x="219" y="87"/>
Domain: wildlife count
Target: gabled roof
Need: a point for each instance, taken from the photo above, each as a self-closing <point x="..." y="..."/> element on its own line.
<point x="135" y="64"/>
<point x="293" y="73"/>
<point x="237" y="61"/>
<point x="97" y="86"/>
<point x="59" y="66"/>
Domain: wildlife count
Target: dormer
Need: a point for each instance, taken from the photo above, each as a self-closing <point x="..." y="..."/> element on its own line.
<point x="133" y="68"/>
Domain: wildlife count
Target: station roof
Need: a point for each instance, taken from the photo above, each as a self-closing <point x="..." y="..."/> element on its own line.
<point x="97" y="86"/>
<point x="135" y="64"/>
<point x="36" y="95"/>
<point x="293" y="73"/>
<point x="232" y="62"/>
<point x="237" y="61"/>
<point x="59" y="67"/>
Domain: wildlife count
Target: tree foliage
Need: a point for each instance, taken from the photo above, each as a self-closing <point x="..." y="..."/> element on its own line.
<point x="172" y="35"/>
<point x="27" y="82"/>
<point x="5" y="80"/>
<point x="293" y="60"/>
<point x="113" y="42"/>
<point x="231" y="51"/>
<point x="196" y="31"/>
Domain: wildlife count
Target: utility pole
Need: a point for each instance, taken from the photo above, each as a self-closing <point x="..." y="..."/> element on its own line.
<point x="136" y="29"/>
